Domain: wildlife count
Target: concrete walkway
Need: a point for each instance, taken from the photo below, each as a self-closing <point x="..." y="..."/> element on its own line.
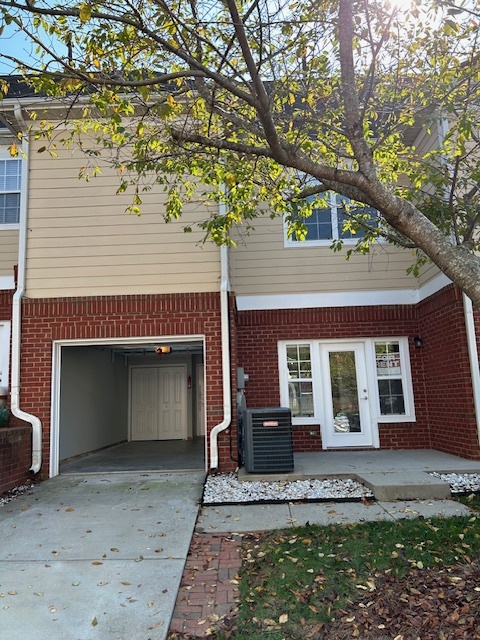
<point x="253" y="518"/>
<point x="96" y="557"/>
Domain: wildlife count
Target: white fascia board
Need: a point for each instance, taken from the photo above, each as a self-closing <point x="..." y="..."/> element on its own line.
<point x="342" y="298"/>
<point x="437" y="283"/>
<point x="330" y="299"/>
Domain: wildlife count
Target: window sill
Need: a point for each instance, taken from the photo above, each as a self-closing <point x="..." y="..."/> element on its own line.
<point x="393" y="419"/>
<point x="304" y="421"/>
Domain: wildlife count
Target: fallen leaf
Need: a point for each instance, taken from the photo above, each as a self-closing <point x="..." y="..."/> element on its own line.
<point x="155" y="626"/>
<point x="283" y="618"/>
<point x="94" y="622"/>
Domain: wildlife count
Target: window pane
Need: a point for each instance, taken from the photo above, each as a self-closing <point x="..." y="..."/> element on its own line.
<point x="342" y="217"/>
<point x="9" y="208"/>
<point x="298" y="361"/>
<point x="300" y="395"/>
<point x="391" y="397"/>
<point x="319" y="225"/>
<point x="388" y="361"/>
<point x="343" y="380"/>
<point x="10" y="175"/>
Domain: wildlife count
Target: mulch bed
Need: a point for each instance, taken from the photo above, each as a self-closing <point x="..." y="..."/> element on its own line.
<point x="427" y="604"/>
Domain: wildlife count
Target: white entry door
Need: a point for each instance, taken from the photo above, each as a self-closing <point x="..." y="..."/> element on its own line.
<point x="158" y="403"/>
<point x="345" y="390"/>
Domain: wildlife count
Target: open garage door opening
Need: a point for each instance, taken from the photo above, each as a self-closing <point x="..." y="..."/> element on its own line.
<point x="130" y="407"/>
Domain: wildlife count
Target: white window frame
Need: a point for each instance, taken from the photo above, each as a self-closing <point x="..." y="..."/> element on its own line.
<point x="5" y="155"/>
<point x="318" y="386"/>
<point x="333" y="207"/>
<point x="406" y="377"/>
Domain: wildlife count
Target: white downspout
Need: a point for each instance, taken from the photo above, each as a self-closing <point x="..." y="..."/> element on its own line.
<point x="473" y="356"/>
<point x="227" y="391"/>
<point x="17" y="308"/>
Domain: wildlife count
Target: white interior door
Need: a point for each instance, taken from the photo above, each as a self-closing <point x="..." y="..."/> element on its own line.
<point x="159" y="403"/>
<point x="144" y="403"/>
<point x="345" y="390"/>
<point x="172" y="410"/>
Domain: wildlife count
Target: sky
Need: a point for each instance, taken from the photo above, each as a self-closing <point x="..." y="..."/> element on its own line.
<point x="14" y="44"/>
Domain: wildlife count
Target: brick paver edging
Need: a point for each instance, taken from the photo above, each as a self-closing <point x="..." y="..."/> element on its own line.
<point x="208" y="595"/>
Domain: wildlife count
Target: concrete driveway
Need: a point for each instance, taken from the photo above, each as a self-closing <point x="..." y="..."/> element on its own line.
<point x="96" y="557"/>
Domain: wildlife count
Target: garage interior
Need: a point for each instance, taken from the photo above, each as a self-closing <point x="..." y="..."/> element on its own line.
<point x="132" y="407"/>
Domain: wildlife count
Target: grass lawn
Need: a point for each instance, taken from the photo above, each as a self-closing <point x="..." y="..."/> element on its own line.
<point x="358" y="580"/>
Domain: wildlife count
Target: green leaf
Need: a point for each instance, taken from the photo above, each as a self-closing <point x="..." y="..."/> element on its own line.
<point x="85" y="12"/>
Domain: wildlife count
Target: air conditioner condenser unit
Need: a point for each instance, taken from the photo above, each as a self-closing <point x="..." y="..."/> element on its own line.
<point x="267" y="440"/>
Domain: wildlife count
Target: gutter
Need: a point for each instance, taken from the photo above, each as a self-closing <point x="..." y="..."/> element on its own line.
<point x="472" y="356"/>
<point x="227" y="390"/>
<point x="17" y="308"/>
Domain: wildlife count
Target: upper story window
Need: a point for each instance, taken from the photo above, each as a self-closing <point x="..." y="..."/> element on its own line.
<point x="331" y="222"/>
<point x="10" y="188"/>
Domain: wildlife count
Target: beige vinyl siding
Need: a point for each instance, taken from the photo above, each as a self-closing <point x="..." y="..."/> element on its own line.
<point x="8" y="251"/>
<point x="425" y="142"/>
<point x="427" y="272"/>
<point x="82" y="242"/>
<point x="262" y="265"/>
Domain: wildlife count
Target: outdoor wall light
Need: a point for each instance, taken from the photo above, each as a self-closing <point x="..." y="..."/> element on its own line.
<point x="418" y="342"/>
<point x="163" y="349"/>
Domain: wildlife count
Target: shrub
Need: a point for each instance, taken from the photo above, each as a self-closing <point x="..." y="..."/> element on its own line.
<point x="4" y="416"/>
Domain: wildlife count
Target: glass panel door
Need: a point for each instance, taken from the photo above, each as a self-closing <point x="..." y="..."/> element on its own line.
<point x="347" y="413"/>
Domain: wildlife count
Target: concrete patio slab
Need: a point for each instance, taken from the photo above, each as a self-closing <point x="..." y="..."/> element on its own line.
<point x="392" y="475"/>
<point x="98" y="556"/>
<point x="402" y="485"/>
<point x="327" y="464"/>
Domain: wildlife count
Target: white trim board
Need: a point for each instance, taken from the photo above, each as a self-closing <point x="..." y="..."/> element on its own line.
<point x="7" y="282"/>
<point x="342" y="298"/>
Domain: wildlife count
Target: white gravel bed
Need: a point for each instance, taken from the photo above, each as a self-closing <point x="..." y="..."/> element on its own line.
<point x="225" y="487"/>
<point x="460" y="482"/>
<point x="15" y="493"/>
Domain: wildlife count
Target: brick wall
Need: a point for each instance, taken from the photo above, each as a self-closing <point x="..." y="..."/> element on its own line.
<point x="111" y="317"/>
<point x="441" y="379"/>
<point x="6" y="297"/>
<point x="15" y="456"/>
<point x="260" y="331"/>
<point x="448" y="383"/>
